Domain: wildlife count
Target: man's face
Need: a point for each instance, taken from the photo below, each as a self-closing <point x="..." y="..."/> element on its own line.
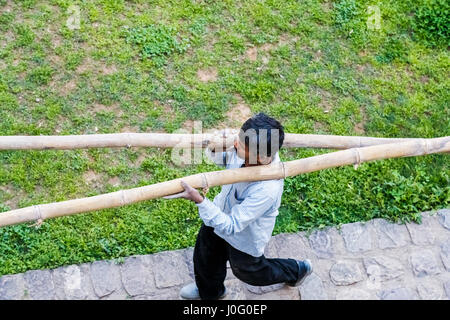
<point x="243" y="153"/>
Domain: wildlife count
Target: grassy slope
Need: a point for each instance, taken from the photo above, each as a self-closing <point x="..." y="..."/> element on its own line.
<point x="309" y="72"/>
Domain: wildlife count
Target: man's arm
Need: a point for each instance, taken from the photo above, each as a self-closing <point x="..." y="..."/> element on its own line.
<point x="189" y="193"/>
<point x="253" y="206"/>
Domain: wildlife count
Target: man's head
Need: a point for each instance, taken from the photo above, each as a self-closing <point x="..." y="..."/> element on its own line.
<point x="260" y="138"/>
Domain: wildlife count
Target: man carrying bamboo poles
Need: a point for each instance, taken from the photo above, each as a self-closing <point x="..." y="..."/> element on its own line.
<point x="238" y="224"/>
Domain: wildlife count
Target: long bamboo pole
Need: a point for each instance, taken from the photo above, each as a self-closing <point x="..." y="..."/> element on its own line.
<point x="166" y="140"/>
<point x="215" y="178"/>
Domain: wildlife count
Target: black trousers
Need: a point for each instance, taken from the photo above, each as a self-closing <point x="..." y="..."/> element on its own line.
<point x="211" y="253"/>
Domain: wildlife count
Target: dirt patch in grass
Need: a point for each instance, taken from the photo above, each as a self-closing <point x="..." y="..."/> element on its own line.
<point x="362" y="53"/>
<point x="319" y="127"/>
<point x="327" y="6"/>
<point x="359" y="127"/>
<point x="115" y="181"/>
<point x="55" y="60"/>
<point x="167" y="114"/>
<point x="98" y="107"/>
<point x="207" y="75"/>
<point x="8" y="7"/>
<point x="192" y="126"/>
<point x="140" y="159"/>
<point x="68" y="87"/>
<point x="360" y="67"/>
<point x="325" y="102"/>
<point x="87" y="65"/>
<point x="188" y="126"/>
<point x="13" y="203"/>
<point x="266" y="47"/>
<point x="237" y="115"/>
<point x="56" y="39"/>
<point x="93" y="179"/>
<point x="12" y="196"/>
<point x="108" y="70"/>
<point x="128" y="129"/>
<point x="317" y="55"/>
<point x="8" y="37"/>
<point x="252" y="53"/>
<point x="424" y="79"/>
<point x="90" y="176"/>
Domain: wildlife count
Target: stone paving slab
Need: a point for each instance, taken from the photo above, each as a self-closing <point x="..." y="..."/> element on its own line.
<point x="359" y="261"/>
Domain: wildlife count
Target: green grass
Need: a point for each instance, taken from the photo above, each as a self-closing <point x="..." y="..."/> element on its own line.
<point x="133" y="66"/>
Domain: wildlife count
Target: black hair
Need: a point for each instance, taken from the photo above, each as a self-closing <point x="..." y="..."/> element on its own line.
<point x="258" y="122"/>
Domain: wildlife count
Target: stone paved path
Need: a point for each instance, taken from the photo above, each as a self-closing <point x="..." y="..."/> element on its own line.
<point x="373" y="260"/>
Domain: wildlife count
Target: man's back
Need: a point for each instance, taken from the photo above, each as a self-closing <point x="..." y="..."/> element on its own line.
<point x="257" y="202"/>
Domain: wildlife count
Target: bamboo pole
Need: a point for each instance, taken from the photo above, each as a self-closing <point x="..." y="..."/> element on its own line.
<point x="166" y="140"/>
<point x="215" y="178"/>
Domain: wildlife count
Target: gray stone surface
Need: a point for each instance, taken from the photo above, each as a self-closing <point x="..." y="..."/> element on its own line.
<point x="377" y="260"/>
<point x="421" y="234"/>
<point x="313" y="289"/>
<point x="424" y="263"/>
<point x="353" y="294"/>
<point x="12" y="287"/>
<point x="444" y="218"/>
<point x="447" y="288"/>
<point x="40" y="284"/>
<point x="344" y="273"/>
<point x="264" y="289"/>
<point x="170" y="269"/>
<point x="430" y="290"/>
<point x="382" y="268"/>
<point x="105" y="277"/>
<point x="189" y="256"/>
<point x="284" y="293"/>
<point x="235" y="290"/>
<point x="137" y="277"/>
<point x="357" y="237"/>
<point x="321" y="243"/>
<point x="165" y="295"/>
<point x="391" y="235"/>
<point x="445" y="254"/>
<point x="271" y="250"/>
<point x="72" y="283"/>
<point x="291" y="246"/>
<point x="398" y="294"/>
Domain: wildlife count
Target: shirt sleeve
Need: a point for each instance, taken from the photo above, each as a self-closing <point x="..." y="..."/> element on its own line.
<point x="253" y="207"/>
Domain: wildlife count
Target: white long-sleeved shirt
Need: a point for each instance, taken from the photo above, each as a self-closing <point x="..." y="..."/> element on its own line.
<point x="243" y="213"/>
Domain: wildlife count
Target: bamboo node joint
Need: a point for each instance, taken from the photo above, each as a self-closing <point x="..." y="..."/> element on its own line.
<point x="122" y="197"/>
<point x="129" y="140"/>
<point x="284" y="170"/>
<point x="205" y="184"/>
<point x="425" y="146"/>
<point x="38" y="214"/>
